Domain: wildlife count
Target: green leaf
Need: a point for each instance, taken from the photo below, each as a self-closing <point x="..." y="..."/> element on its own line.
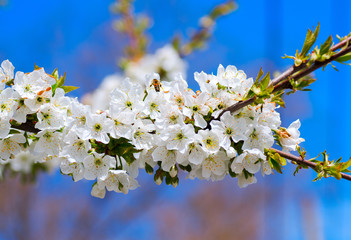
<point x="296" y="170"/>
<point x="344" y="58"/>
<point x="345" y="165"/>
<point x="55" y="74"/>
<point x="129" y="158"/>
<point x="14" y="131"/>
<point x="275" y="165"/>
<point x="326" y="46"/>
<point x="61" y="81"/>
<point x="265" y="81"/>
<point x="310" y="39"/>
<point x="68" y="89"/>
<point x="259" y="75"/>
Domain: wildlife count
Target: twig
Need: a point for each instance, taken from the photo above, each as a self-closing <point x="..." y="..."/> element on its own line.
<point x="300" y="160"/>
<point x="286" y="84"/>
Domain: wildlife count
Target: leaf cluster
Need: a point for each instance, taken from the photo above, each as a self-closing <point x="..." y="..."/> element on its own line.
<point x="275" y="160"/>
<point x="327" y="168"/>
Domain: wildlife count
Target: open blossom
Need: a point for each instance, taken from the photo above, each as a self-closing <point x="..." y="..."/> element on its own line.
<point x="141" y="136"/>
<point x="249" y="160"/>
<point x="97" y="165"/>
<point x="21" y="112"/>
<point x="129" y="100"/>
<point x="122" y="122"/>
<point x="196" y="154"/>
<point x="71" y="166"/>
<point x="259" y="137"/>
<point x="196" y="108"/>
<point x="208" y="83"/>
<point x="169" y="115"/>
<point x="235" y="80"/>
<point x="49" y="142"/>
<point x="210" y="141"/>
<point x="165" y="156"/>
<point x="8" y="103"/>
<point x="230" y="129"/>
<point x="6" y="73"/>
<point x="245" y="180"/>
<point x="99" y="126"/>
<point x="22" y="161"/>
<point x="5" y="127"/>
<point x="75" y="147"/>
<point x="116" y="180"/>
<point x="11" y="145"/>
<point x="178" y="137"/>
<point x="50" y="117"/>
<point x="177" y="89"/>
<point x="153" y="102"/>
<point x="77" y="121"/>
<point x="214" y="166"/>
<point x="289" y="138"/>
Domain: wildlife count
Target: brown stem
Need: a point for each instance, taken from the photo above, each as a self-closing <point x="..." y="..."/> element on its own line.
<point x="341" y="44"/>
<point x="300" y="160"/>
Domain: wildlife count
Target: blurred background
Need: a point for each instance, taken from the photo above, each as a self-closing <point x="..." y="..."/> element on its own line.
<point x="77" y="37"/>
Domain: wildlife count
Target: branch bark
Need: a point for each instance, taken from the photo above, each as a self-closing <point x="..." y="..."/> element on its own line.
<point x="300" y="160"/>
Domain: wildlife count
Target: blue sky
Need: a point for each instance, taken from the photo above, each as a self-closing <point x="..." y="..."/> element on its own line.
<point x="77" y="38"/>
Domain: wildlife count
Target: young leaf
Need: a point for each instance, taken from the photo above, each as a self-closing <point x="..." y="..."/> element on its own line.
<point x="68" y="89"/>
<point x="61" y="81"/>
<point x="55" y="74"/>
<point x="275" y="165"/>
<point x="310" y="39"/>
<point x="259" y="75"/>
<point x="344" y="58"/>
<point x="326" y="46"/>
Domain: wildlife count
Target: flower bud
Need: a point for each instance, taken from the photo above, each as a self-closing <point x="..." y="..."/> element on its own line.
<point x="158" y="178"/>
<point x="173" y="171"/>
<point x="149" y="169"/>
<point x="175" y="182"/>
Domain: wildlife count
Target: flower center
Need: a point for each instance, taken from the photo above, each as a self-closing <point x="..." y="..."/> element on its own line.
<point x="129" y="104"/>
<point x="228" y="131"/>
<point x="98" y="161"/>
<point x="97" y="127"/>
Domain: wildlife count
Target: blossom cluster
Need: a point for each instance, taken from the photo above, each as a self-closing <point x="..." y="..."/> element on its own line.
<point x="162" y="127"/>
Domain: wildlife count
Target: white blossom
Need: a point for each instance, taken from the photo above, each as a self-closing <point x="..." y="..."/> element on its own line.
<point x="71" y="166"/>
<point x="290" y="137"/>
<point x="97" y="165"/>
<point x="6" y="73"/>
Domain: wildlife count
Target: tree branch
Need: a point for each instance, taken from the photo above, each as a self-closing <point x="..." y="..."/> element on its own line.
<point x="282" y="81"/>
<point x="286" y="84"/>
<point x="300" y="160"/>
